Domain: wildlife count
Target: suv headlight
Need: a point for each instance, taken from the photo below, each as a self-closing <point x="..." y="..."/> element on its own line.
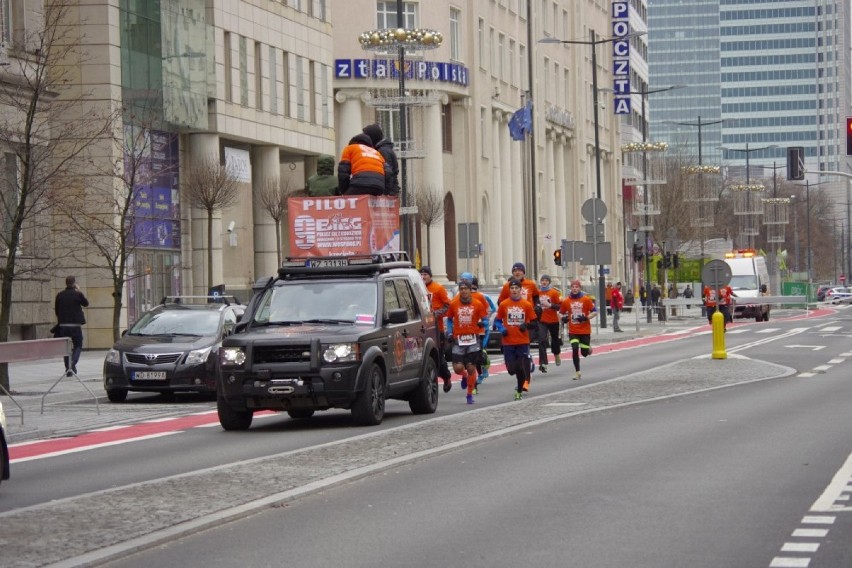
<point x="113" y="357"/>
<point x="198" y="356"/>
<point x="232" y="356"/>
<point x="340" y="352"/>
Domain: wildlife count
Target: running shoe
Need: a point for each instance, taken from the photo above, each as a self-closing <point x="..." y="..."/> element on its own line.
<point x="542" y="368"/>
<point x="482" y="376"/>
<point x="526" y="386"/>
<point x="518" y="395"/>
<point x="558" y="359"/>
<point x="577" y="376"/>
<point x="475" y="390"/>
<point x="448" y="384"/>
<point x="464" y="382"/>
<point x="470" y="399"/>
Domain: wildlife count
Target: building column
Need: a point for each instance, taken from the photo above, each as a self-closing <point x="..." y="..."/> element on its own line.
<point x="351" y="120"/>
<point x="203" y="148"/>
<point x="266" y="167"/>
<point x="433" y="177"/>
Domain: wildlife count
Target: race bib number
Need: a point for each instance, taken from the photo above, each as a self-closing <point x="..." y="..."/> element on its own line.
<point x="467" y="339"/>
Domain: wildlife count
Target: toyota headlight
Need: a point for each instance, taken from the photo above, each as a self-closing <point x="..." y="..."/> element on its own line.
<point x="198" y="356"/>
<point x="232" y="356"/>
<point x="340" y="352"/>
<point x="113" y="357"/>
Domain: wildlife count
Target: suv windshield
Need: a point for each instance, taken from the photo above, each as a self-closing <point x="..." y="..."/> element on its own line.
<point x="746" y="282"/>
<point x="177" y="322"/>
<point x="312" y="300"/>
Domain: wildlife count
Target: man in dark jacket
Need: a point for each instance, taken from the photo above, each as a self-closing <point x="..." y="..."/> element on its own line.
<point x="324" y="182"/>
<point x="385" y="147"/>
<point x="69" y="313"/>
<point x="362" y="169"/>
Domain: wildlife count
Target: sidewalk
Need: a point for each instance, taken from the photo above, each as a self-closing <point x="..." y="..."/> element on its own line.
<point x="69" y="409"/>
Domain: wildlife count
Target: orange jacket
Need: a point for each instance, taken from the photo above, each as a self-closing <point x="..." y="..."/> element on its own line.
<point x="363" y="168"/>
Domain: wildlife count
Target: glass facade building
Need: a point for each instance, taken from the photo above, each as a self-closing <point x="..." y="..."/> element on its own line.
<point x="776" y="71"/>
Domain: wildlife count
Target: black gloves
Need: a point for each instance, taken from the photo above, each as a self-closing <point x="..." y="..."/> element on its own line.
<point x="481" y="324"/>
<point x="523" y="327"/>
<point x="537" y="310"/>
<point x="580" y="318"/>
<point x="505" y="332"/>
<point x="565" y="319"/>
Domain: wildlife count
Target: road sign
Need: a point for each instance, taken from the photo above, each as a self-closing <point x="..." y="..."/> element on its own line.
<point x="842" y="278"/>
<point x="593" y="210"/>
<point x="716" y="274"/>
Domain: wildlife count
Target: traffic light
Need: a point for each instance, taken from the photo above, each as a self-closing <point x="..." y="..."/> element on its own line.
<point x="796" y="162"/>
<point x="675" y="261"/>
<point x="557" y="257"/>
<point x="668" y="261"/>
<point x="638" y="252"/>
<point x="849" y="135"/>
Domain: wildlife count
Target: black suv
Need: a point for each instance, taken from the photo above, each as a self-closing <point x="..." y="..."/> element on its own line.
<point x="174" y="347"/>
<point x="332" y="332"/>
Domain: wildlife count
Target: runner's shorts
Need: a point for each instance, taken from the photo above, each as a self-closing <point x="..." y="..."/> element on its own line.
<point x="467" y="354"/>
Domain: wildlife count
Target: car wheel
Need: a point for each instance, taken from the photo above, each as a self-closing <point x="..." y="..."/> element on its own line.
<point x="300" y="412"/>
<point x="369" y="407"/>
<point x="424" y="399"/>
<point x="231" y="419"/>
<point x="117" y="395"/>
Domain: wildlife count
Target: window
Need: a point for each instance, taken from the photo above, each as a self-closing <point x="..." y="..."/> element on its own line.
<point x="492" y="44"/>
<point x="512" y="76"/>
<point x="522" y="58"/>
<point x="386" y="15"/>
<point x="406" y="299"/>
<point x="483" y="131"/>
<point x="244" y="97"/>
<point x="480" y="34"/>
<point x="6" y="22"/>
<point x="273" y="81"/>
<point x="455" y="34"/>
<point x="300" y="88"/>
<point x="229" y="69"/>
<point x="258" y="76"/>
<point x="447" y="127"/>
<point x="498" y="71"/>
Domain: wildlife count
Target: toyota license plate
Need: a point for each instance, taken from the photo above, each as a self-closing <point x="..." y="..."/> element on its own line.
<point x="149" y="375"/>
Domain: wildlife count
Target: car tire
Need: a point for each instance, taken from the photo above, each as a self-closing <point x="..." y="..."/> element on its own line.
<point x="369" y="406"/>
<point x="231" y="419"/>
<point x="117" y="395"/>
<point x="298" y="413"/>
<point x="424" y="398"/>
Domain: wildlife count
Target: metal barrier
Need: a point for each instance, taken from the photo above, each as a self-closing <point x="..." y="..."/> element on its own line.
<point x="39" y="350"/>
<point x="793" y="301"/>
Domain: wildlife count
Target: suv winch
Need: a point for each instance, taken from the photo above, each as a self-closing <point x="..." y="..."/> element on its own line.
<point x="332" y="332"/>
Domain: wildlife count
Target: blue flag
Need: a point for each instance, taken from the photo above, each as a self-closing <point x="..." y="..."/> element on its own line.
<point x="521" y="122"/>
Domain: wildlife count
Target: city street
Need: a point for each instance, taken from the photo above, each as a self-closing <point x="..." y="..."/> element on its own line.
<point x="681" y="473"/>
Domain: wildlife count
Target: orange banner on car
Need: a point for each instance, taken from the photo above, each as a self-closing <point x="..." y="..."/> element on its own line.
<point x="343" y="225"/>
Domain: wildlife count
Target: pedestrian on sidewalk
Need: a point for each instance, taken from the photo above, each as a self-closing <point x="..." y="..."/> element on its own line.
<point x="548" y="327"/>
<point x="69" y="306"/>
<point x="616" y="305"/>
<point x="577" y="311"/>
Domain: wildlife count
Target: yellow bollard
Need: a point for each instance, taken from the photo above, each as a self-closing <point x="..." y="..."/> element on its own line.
<point x="719" y="336"/>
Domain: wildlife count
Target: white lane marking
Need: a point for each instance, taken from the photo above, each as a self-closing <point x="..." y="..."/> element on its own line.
<point x="811" y="347"/>
<point x="738" y="330"/>
<point x="92" y="447"/>
<point x="559" y="404"/>
<point x="800" y="547"/>
<point x="847" y="354"/>
<point x="821" y="368"/>
<point x="810" y="533"/>
<point x="836" y="361"/>
<point x="842" y="498"/>
<point x="838" y="486"/>
<point x="806" y="375"/>
<point x="818" y="520"/>
<point x="831" y="328"/>
<point x="768" y="330"/>
<point x="782" y="562"/>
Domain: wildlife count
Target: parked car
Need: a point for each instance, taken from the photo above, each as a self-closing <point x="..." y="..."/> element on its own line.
<point x="821" y="290"/>
<point x="838" y="295"/>
<point x="4" y="448"/>
<point x="172" y="348"/>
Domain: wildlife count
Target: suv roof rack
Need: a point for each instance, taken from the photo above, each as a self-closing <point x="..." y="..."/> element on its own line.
<point x="222" y="299"/>
<point x="371" y="263"/>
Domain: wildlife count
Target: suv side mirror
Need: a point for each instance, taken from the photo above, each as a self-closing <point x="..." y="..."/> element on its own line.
<point x="399" y="315"/>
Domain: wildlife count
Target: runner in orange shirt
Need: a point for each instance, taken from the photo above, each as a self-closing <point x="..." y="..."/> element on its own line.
<point x="548" y="327"/>
<point x="577" y="311"/>
<point x="464" y="324"/>
<point x="514" y="316"/>
<point x="440" y="304"/>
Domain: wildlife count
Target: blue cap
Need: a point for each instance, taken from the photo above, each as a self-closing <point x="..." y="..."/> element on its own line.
<point x="519" y="266"/>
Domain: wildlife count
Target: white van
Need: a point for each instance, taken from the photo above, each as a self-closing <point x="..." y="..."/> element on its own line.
<point x="748" y="276"/>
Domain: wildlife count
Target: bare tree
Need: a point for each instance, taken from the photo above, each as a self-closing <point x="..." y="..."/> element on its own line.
<point x="273" y="197"/>
<point x="212" y="186"/>
<point x="430" y="209"/>
<point x="119" y="220"/>
<point x="47" y="126"/>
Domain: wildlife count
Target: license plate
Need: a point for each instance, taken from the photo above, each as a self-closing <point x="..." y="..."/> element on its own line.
<point x="327" y="262"/>
<point x="149" y="376"/>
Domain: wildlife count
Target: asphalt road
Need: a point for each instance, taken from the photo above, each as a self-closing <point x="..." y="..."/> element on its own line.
<point x="721" y="478"/>
<point x="171" y="472"/>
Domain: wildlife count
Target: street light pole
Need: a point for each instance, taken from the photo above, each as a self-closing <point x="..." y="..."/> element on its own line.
<point x="593" y="42"/>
